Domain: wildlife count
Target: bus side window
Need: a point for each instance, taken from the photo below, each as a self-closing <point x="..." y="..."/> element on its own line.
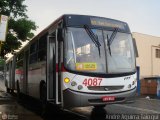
<point x="33" y="53"/>
<point x="19" y="60"/>
<point x="42" y="55"/>
<point x="42" y="50"/>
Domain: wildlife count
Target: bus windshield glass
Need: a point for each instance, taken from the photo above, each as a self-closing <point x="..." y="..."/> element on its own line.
<point x="82" y="54"/>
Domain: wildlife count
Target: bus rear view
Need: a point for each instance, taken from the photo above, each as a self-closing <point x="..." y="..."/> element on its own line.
<point x="99" y="61"/>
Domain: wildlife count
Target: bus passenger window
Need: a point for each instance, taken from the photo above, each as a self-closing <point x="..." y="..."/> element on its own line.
<point x="43" y="42"/>
<point x="33" y="58"/>
<point x="33" y="47"/>
<point x="33" y="53"/>
<point x="42" y="49"/>
<point x="42" y="55"/>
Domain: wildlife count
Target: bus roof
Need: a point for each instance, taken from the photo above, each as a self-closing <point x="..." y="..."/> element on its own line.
<point x="81" y="20"/>
<point x="92" y="21"/>
<point x="95" y="22"/>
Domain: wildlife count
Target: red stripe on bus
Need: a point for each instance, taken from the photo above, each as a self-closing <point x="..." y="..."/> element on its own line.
<point x="19" y="71"/>
<point x="62" y="68"/>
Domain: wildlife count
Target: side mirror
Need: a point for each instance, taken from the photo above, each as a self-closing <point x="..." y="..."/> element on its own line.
<point x="60" y="34"/>
<point x="135" y="47"/>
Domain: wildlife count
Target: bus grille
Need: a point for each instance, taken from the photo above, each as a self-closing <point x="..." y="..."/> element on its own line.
<point x="105" y="88"/>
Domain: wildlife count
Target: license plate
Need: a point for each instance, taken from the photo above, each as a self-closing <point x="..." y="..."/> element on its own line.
<point x="108" y="98"/>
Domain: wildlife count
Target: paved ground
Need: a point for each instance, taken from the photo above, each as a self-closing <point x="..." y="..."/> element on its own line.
<point x="10" y="109"/>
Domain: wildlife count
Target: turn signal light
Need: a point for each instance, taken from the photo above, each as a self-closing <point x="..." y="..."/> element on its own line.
<point x="66" y="80"/>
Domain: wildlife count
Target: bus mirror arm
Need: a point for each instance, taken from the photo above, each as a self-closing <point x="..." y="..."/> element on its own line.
<point x="135" y="47"/>
<point x="60" y="34"/>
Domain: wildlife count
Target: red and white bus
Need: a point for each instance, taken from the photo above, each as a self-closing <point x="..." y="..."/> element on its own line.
<point x="76" y="61"/>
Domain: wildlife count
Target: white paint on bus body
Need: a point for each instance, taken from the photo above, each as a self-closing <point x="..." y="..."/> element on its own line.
<point x="117" y="81"/>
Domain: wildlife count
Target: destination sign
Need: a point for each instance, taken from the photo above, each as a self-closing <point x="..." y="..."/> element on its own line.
<point x="107" y="23"/>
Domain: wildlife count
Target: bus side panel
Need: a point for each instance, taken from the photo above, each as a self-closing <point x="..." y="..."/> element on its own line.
<point x="13" y="74"/>
<point x="19" y="74"/>
<point x="36" y="73"/>
<point x="10" y="74"/>
<point x="19" y="77"/>
<point x="7" y="75"/>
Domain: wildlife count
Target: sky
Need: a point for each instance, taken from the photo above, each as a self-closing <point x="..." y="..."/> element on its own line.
<point x="142" y="16"/>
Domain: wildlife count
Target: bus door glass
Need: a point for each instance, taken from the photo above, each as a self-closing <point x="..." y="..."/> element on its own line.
<point x="51" y="68"/>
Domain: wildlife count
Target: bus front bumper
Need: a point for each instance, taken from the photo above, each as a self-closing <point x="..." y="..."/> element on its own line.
<point x="78" y="99"/>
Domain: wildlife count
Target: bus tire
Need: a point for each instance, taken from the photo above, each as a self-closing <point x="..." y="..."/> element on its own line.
<point x="18" y="91"/>
<point x="12" y="91"/>
<point x="43" y="97"/>
<point x="7" y="90"/>
<point x="43" y="92"/>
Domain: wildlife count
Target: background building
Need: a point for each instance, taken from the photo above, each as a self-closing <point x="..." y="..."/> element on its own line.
<point x="149" y="54"/>
<point x="149" y="62"/>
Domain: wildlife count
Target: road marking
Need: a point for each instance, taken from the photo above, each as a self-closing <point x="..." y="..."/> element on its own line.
<point x="151" y="99"/>
<point x="136" y="108"/>
<point x="83" y="109"/>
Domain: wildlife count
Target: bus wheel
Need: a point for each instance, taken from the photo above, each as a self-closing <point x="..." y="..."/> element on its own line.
<point x="8" y="90"/>
<point x="43" y="92"/>
<point x="12" y="91"/>
<point x="43" y="97"/>
<point x="18" y="91"/>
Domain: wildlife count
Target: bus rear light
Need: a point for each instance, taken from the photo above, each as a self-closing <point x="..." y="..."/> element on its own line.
<point x="66" y="80"/>
<point x="73" y="83"/>
<point x="80" y="87"/>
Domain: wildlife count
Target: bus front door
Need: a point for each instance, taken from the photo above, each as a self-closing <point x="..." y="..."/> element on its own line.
<point x="51" y="69"/>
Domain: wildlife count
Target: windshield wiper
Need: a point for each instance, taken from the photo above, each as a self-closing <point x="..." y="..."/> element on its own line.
<point x="113" y="35"/>
<point x="108" y="44"/>
<point x="110" y="40"/>
<point x="93" y="37"/>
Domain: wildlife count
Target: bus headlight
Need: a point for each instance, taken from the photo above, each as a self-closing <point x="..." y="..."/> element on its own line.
<point x="129" y="86"/>
<point x="66" y="80"/>
<point x="73" y="83"/>
<point x="80" y="87"/>
<point x="134" y="82"/>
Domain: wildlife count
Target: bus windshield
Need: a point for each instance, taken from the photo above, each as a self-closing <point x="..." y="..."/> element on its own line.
<point x="81" y="53"/>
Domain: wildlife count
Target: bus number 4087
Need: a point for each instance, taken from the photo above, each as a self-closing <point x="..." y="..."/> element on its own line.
<point x="92" y="82"/>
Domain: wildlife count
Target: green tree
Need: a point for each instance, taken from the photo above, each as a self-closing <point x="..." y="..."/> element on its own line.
<point x="19" y="26"/>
